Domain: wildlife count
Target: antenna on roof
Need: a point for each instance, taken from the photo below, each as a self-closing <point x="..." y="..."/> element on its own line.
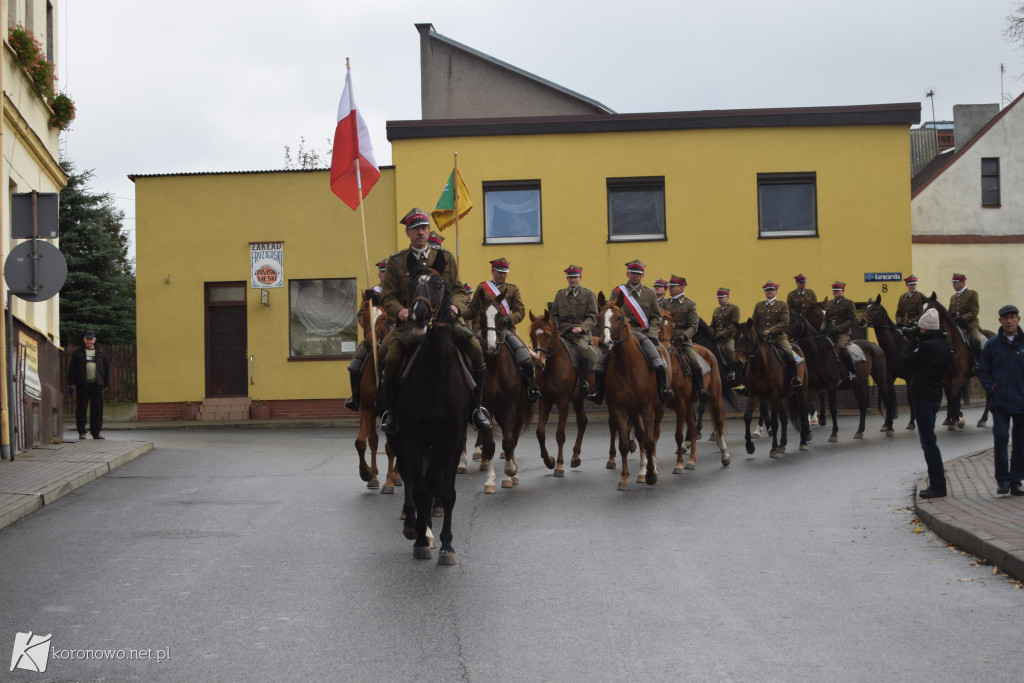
<point x="931" y="95"/>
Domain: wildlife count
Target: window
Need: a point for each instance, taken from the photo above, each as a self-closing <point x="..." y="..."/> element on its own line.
<point x="322" y="318"/>
<point x="787" y="204"/>
<point x="512" y="212"/>
<point x="636" y="209"/>
<point x="990" y="182"/>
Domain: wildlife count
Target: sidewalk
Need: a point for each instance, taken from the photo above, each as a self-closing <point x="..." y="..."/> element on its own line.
<point x="973" y="518"/>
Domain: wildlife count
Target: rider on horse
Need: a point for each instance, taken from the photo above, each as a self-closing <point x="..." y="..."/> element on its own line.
<point x="723" y="323"/>
<point x="516" y="311"/>
<point x="770" y="319"/>
<point x="964" y="307"/>
<point x="910" y="306"/>
<point x="684" y="329"/>
<point x="574" y="311"/>
<point x="642" y="313"/>
<point x="801" y="298"/>
<point x="840" y="315"/>
<point x="355" y="367"/>
<point x="401" y="342"/>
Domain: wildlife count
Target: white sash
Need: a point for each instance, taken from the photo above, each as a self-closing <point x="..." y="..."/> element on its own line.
<point x="634" y="306"/>
<point x="493" y="289"/>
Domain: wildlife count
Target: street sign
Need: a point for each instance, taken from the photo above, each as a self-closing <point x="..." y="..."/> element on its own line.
<point x="46" y="215"/>
<point x="883" y="277"/>
<point x="35" y="283"/>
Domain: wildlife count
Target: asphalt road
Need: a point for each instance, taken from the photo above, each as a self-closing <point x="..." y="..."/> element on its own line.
<point x="249" y="555"/>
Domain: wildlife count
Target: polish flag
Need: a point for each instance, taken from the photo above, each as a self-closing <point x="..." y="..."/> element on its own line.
<point x="351" y="143"/>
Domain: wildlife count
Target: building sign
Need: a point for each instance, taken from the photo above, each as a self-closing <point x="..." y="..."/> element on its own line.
<point x="883" y="277"/>
<point x="267" y="264"/>
<point x="30" y="349"/>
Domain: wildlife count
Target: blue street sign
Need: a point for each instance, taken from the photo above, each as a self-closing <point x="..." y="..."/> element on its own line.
<point x="883" y="277"/>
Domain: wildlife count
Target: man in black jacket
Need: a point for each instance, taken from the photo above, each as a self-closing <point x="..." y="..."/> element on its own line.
<point x="927" y="357"/>
<point x="88" y="375"/>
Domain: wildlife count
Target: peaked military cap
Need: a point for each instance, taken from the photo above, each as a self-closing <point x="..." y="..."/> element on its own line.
<point x="500" y="264"/>
<point x="636" y="267"/>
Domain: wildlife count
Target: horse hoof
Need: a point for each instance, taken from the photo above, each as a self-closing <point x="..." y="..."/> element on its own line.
<point x="726" y="459"/>
<point x="387" y="488"/>
<point x="575" y="462"/>
<point x="652" y="479"/>
<point x="833" y="439"/>
<point x="373" y="484"/>
<point x="502" y="456"/>
<point x="641" y="478"/>
<point x="982" y="423"/>
<point x="515" y="480"/>
<point x="821" y="422"/>
<point x="678" y="470"/>
<point x="436" y="512"/>
<point x="699" y="435"/>
<point x="803" y="447"/>
<point x="365" y="476"/>
<point x="961" y="423"/>
<point x="446" y="558"/>
<point x="409" y="533"/>
<point x="483" y="466"/>
<point x="477" y="453"/>
<point x="506" y="483"/>
<point x="911" y="425"/>
<point x="398" y="481"/>
<point x="947" y="422"/>
<point x="549" y="462"/>
<point x="421" y="552"/>
<point x="489" y="488"/>
<point x="773" y="454"/>
<point x="859" y="435"/>
<point x="558" y="473"/>
<point x="623" y="485"/>
<point x="782" y="449"/>
<point x="460" y="470"/>
<point x="610" y="465"/>
<point x="810" y="435"/>
<point x="750" y="449"/>
<point x="890" y="432"/>
<point x="690" y="466"/>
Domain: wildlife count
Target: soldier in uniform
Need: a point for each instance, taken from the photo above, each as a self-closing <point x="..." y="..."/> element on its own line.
<point x="435" y="240"/>
<point x="723" y="323"/>
<point x="659" y="289"/>
<point x="770" y="319"/>
<point x="469" y="293"/>
<point x="801" y="298"/>
<point x="574" y="311"/>
<point x="514" y="308"/>
<point x="840" y="315"/>
<point x="685" y="321"/>
<point x="355" y="367"/>
<point x="395" y="304"/>
<point x="964" y="308"/>
<point x="646" y="322"/>
<point x="911" y="305"/>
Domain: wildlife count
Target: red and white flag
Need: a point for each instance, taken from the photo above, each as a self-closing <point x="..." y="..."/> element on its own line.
<point x="351" y="142"/>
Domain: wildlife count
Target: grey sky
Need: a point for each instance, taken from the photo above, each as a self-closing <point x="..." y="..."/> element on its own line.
<point x="224" y="85"/>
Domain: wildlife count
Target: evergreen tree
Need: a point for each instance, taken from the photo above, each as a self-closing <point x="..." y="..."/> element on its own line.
<point x="99" y="294"/>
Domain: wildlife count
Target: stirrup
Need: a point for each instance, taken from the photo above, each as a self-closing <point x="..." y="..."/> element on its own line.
<point x="481" y="419"/>
<point x="388" y="422"/>
<point x="532" y="393"/>
<point x="352" y="403"/>
<point x="665" y="393"/>
<point x="596" y="397"/>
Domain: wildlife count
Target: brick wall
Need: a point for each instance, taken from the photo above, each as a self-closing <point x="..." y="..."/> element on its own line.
<point x="304" y="408"/>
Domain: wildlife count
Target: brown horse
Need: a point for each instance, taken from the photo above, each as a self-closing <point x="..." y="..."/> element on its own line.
<point x="557" y="380"/>
<point x="892" y="343"/>
<point x="368" y="404"/>
<point x="824" y="373"/>
<point x="683" y="401"/>
<point x="765" y="379"/>
<point x="504" y="396"/>
<point x="960" y="371"/>
<point x="631" y="389"/>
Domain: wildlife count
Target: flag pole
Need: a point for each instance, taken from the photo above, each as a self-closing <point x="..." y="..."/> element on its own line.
<point x="366" y="252"/>
<point x="455" y="183"/>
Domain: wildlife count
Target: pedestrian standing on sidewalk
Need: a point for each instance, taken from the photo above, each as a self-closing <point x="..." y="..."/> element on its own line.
<point x="88" y="375"/>
<point x="927" y="358"/>
<point x="1001" y="373"/>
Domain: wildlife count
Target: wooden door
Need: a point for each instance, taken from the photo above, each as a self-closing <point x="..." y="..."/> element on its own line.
<point x="226" y="340"/>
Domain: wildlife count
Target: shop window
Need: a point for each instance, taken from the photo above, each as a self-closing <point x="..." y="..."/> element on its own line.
<point x="322" y="318"/>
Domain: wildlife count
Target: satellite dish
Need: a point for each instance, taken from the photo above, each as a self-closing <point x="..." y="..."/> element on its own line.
<point x="49" y="276"/>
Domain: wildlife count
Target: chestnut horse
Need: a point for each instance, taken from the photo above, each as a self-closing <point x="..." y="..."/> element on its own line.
<point x="631" y="389"/>
<point x="368" y="404"/>
<point x="683" y="401"/>
<point x="824" y="371"/>
<point x="504" y="396"/>
<point x="765" y="379"/>
<point x="557" y="380"/>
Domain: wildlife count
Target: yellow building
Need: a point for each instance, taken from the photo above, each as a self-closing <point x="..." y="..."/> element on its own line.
<point x="723" y="198"/>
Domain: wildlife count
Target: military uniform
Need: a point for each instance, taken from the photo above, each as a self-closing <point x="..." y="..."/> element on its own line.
<point x="648" y="302"/>
<point x="964" y="306"/>
<point x="909" y="308"/>
<point x="771" y="319"/>
<point x="840" y="315"/>
<point x="576" y="307"/>
<point x="723" y="323"/>
<point x="801" y="299"/>
<point x="513" y="297"/>
<point x="684" y="327"/>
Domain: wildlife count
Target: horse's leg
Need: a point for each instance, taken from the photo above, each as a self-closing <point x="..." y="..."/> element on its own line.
<point x="774" y="422"/>
<point x="391" y="480"/>
<point x="695" y="434"/>
<point x="478" y="447"/>
<point x="833" y="413"/>
<point x="747" y="416"/>
<point x="563" y="416"/>
<point x="783" y="426"/>
<point x="409" y="503"/>
<point x="861" y="392"/>
<point x="613" y="439"/>
<point x="445" y="488"/>
<point x="680" y="446"/>
<point x="913" y="420"/>
<point x="650" y="436"/>
<point x="509" y="439"/>
<point x="581" y="428"/>
<point x="463" y="462"/>
<point x="984" y="416"/>
<point x="365" y="473"/>
<point x="718" y="419"/>
<point x="620" y="428"/>
<point x="543" y="411"/>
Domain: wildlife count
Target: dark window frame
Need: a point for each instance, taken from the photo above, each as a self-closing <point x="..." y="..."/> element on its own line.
<point x="991" y="174"/>
<point x="495" y="186"/>
<point x="636" y="184"/>
<point x="767" y="181"/>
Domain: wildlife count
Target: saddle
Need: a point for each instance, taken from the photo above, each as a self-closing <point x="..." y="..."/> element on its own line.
<point x="856" y="353"/>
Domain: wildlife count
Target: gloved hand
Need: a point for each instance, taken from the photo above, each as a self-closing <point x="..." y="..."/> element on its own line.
<point x="682" y="337"/>
<point x="718" y="338"/>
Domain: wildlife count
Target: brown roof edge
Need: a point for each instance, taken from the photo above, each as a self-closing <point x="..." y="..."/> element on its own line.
<point x="906" y="113"/>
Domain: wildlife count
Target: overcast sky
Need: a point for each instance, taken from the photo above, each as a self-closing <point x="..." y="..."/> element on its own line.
<point x="224" y="85"/>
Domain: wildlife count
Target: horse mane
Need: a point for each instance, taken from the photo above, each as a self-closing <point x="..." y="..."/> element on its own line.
<point x="933" y="302"/>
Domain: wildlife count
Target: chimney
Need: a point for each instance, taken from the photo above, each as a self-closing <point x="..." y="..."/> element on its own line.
<point x="968" y="119"/>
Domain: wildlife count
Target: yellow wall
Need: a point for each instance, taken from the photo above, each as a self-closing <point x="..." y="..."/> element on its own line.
<point x="197" y="229"/>
<point x="863" y="195"/>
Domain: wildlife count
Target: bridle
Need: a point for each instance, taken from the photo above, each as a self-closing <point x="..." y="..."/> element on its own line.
<point x="547" y="329"/>
<point x="615" y="331"/>
<point x="865" y="321"/>
<point x="498" y="328"/>
<point x="429" y="294"/>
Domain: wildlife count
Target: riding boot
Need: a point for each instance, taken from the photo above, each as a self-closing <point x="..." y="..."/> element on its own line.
<point x="532" y="392"/>
<point x="664" y="390"/>
<point x="389" y="420"/>
<point x="583" y="369"/>
<point x="697" y="380"/>
<point x="352" y="402"/>
<point x="598" y="395"/>
<point x="851" y="371"/>
<point x="480" y="417"/>
<point x="791" y="369"/>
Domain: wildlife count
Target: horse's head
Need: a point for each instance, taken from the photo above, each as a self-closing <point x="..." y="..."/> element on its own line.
<point x="429" y="294"/>
<point x="612" y="326"/>
<point x="815" y="313"/>
<point x="745" y="340"/>
<point x="668" y="326"/>
<point x="368" y="312"/>
<point x="544" y="335"/>
<point x="874" y="314"/>
<point x="493" y="319"/>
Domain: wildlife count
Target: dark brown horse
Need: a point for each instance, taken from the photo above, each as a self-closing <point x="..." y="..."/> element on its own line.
<point x="504" y="396"/>
<point x="685" y="396"/>
<point x="631" y="390"/>
<point x="765" y="379"/>
<point x="368" y="404"/>
<point x="557" y="380"/>
<point x="892" y="343"/>
<point x="825" y="374"/>
<point x="960" y="371"/>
